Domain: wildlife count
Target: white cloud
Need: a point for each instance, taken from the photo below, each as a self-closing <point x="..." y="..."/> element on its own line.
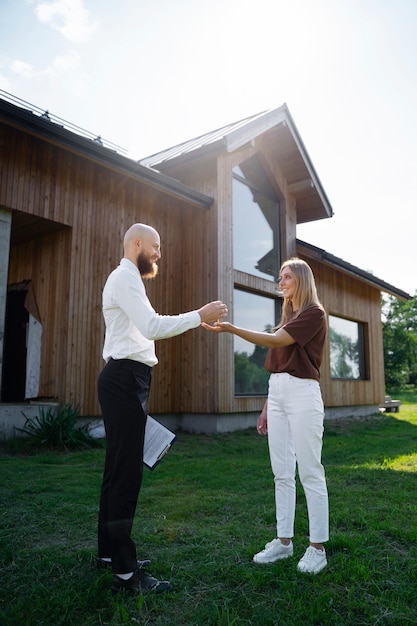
<point x="65" y="62"/>
<point x="5" y="83"/>
<point x="69" y="17"/>
<point x="61" y="64"/>
<point x="23" y="69"/>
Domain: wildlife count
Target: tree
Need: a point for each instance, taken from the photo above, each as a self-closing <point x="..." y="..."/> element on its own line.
<point x="399" y="328"/>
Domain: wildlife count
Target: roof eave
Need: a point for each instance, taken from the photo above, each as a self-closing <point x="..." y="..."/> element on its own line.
<point x="333" y="261"/>
<point x="309" y="165"/>
<point x="199" y="154"/>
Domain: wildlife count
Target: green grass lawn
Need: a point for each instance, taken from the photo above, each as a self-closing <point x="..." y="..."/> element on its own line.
<point x="203" y="513"/>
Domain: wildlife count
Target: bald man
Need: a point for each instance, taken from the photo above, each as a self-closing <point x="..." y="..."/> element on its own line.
<point x="132" y="326"/>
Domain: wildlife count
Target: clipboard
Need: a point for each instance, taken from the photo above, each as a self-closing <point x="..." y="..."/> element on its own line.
<point x="158" y="440"/>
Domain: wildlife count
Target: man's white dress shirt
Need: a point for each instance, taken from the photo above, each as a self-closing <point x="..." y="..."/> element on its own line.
<point x="132" y="325"/>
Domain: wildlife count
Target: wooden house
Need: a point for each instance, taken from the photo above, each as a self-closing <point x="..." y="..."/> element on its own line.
<point x="226" y="205"/>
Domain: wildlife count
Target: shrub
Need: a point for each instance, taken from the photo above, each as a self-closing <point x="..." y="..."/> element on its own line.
<point x="56" y="428"/>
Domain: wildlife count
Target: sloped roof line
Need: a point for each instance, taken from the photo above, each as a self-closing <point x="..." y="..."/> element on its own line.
<point x="25" y="119"/>
<point x="51" y="117"/>
<point x="340" y="264"/>
<point x="220" y="137"/>
<point x="257" y="126"/>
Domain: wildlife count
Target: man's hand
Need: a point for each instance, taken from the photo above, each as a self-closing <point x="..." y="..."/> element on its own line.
<point x="213" y="311"/>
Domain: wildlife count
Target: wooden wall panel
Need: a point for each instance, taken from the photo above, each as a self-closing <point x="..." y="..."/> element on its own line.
<point x="69" y="268"/>
<point x="195" y="355"/>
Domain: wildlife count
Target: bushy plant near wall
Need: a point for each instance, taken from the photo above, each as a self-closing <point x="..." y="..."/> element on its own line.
<point x="56" y="428"/>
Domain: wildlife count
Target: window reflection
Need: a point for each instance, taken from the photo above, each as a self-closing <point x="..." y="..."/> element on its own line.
<point x="258" y="313"/>
<point x="255" y="221"/>
<point x="347" y="353"/>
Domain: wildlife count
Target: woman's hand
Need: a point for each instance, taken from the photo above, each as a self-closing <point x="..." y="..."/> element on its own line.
<point x="262" y="425"/>
<point x="218" y="327"/>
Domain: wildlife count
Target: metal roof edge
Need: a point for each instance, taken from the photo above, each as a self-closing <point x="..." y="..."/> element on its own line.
<point x="203" y="146"/>
<point x="44" y="128"/>
<point x="338" y="263"/>
<point x="262" y="122"/>
<point x="197" y="154"/>
<point x="306" y="158"/>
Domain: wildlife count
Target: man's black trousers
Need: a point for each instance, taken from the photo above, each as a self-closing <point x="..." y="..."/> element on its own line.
<point x="123" y="391"/>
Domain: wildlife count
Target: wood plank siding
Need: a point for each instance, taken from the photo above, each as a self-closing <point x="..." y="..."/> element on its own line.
<point x="69" y="215"/>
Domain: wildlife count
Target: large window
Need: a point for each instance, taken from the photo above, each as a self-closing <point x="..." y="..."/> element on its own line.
<point x="347" y="349"/>
<point x="255" y="222"/>
<point x="258" y="313"/>
<point x="256" y="261"/>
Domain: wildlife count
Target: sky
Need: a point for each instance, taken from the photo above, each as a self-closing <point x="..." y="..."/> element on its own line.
<point x="148" y="74"/>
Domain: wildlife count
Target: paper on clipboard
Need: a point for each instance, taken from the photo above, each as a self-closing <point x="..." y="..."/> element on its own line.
<point x="158" y="440"/>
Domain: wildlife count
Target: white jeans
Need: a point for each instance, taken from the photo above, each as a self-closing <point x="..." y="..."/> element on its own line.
<point x="295" y="434"/>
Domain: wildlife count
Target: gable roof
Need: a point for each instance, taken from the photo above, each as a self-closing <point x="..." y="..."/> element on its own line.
<point x="278" y="129"/>
<point x="326" y="258"/>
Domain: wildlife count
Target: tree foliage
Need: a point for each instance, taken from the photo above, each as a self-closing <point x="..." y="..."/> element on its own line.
<point x="399" y="327"/>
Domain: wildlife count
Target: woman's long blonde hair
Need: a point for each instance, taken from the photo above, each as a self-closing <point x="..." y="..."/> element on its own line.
<point x="305" y="291"/>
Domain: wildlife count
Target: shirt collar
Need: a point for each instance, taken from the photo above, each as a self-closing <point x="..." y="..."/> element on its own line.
<point x="129" y="264"/>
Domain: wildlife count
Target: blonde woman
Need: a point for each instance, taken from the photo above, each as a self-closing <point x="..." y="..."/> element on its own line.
<point x="293" y="414"/>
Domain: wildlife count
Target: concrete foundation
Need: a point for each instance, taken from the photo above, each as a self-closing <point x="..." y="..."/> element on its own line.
<point x="12" y="416"/>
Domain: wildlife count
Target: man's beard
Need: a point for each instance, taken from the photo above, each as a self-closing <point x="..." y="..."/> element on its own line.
<point x="146" y="267"/>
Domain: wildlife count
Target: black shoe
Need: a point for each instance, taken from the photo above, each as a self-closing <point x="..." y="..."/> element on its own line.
<point x="101" y="564"/>
<point x="140" y="582"/>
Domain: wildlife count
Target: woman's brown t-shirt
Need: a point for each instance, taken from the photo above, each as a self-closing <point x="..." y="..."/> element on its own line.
<point x="303" y="358"/>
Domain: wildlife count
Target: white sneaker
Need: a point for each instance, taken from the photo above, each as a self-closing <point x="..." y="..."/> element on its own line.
<point x="313" y="561"/>
<point x="274" y="551"/>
